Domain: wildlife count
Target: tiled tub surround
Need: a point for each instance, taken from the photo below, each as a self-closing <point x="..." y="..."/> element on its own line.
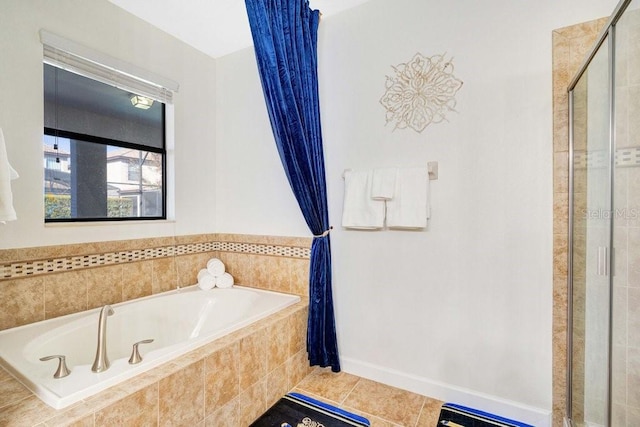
<point x="172" y="324"/>
<point x="228" y="382"/>
<point x="232" y="378"/>
<point x="46" y="282"/>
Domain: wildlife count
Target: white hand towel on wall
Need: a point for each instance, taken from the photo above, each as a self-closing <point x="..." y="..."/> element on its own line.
<point x="409" y="208"/>
<point x="383" y="183"/>
<point x="7" y="173"/>
<point x="359" y="210"/>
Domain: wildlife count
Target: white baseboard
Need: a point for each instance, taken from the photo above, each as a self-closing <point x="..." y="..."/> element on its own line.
<point x="505" y="408"/>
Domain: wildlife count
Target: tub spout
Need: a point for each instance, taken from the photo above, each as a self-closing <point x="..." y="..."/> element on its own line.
<point x="101" y="362"/>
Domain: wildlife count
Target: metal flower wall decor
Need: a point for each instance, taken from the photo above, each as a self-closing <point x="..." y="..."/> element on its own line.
<point x="421" y="92"/>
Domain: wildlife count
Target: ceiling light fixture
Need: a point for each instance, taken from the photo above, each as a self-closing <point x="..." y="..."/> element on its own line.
<point x="142" y="102"/>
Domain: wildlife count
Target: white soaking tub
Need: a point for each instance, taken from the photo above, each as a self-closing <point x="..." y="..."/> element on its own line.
<point x="177" y="321"/>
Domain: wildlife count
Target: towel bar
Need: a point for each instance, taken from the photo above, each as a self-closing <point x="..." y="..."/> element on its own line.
<point x="432" y="167"/>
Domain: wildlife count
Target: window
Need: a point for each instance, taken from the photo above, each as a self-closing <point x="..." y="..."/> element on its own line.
<point x="104" y="141"/>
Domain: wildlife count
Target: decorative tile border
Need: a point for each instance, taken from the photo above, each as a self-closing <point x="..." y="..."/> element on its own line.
<point x="56" y="265"/>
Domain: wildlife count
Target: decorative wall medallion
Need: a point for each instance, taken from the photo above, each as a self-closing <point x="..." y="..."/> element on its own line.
<point x="421" y="92"/>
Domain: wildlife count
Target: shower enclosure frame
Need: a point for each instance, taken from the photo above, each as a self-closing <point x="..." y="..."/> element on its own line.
<point x="608" y="36"/>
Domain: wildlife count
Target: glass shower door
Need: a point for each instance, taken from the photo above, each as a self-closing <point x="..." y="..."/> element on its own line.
<point x="625" y="350"/>
<point x="591" y="242"/>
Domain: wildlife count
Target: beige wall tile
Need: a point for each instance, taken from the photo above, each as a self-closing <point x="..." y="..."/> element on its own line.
<point x="104" y="286"/>
<point x="222" y="378"/>
<point x="138" y="409"/>
<point x="61" y="251"/>
<point x="164" y="277"/>
<point x="65" y="293"/>
<point x="253" y="358"/>
<point x="278" y="341"/>
<point x="239" y="266"/>
<point x="79" y="414"/>
<point x="561" y="172"/>
<point x="21" y="302"/>
<point x="75" y="416"/>
<point x="252" y="402"/>
<point x="187" y="267"/>
<point x="560" y="255"/>
<point x="298" y="331"/>
<point x="300" y="277"/>
<point x="227" y="416"/>
<point x="276" y="385"/>
<point x="560" y="213"/>
<point x="181" y="397"/>
<point x="298" y="368"/>
<point x="137" y="278"/>
<point x="271" y="272"/>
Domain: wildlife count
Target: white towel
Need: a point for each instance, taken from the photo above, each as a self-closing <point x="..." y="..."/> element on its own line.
<point x="409" y="207"/>
<point x="224" y="281"/>
<point x="206" y="281"/>
<point x="359" y="210"/>
<point x="383" y="183"/>
<point x="202" y="272"/>
<point x="215" y="267"/>
<point x="7" y="173"/>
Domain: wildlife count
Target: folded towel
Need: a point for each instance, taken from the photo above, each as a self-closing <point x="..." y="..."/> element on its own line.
<point x="206" y="281"/>
<point x="215" y="267"/>
<point x="360" y="211"/>
<point x="7" y="173"/>
<point x="383" y="183"/>
<point x="224" y="281"/>
<point x="409" y="207"/>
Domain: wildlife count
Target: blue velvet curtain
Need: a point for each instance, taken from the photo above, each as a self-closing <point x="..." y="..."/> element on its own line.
<point x="285" y="40"/>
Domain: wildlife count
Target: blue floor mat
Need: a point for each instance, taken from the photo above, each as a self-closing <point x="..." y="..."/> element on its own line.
<point x="453" y="415"/>
<point x="296" y="408"/>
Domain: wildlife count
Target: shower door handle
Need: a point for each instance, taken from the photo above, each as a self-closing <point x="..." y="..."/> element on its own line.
<point x="603" y="261"/>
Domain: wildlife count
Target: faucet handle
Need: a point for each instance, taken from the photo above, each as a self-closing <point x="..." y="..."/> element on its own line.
<point x="135" y="354"/>
<point x="62" y="370"/>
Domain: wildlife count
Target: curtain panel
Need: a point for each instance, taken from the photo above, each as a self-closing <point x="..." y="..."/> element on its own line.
<point x="285" y="40"/>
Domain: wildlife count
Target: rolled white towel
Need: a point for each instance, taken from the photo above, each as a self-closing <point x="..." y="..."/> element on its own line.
<point x="224" y="281"/>
<point x="206" y="281"/>
<point x="215" y="267"/>
<point x="202" y="272"/>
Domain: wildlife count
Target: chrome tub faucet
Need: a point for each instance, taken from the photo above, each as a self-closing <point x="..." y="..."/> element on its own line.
<point x="101" y="362"/>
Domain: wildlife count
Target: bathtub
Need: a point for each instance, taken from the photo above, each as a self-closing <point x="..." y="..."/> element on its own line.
<point x="178" y="321"/>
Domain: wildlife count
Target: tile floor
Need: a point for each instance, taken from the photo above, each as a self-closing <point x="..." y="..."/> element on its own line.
<point x="382" y="405"/>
